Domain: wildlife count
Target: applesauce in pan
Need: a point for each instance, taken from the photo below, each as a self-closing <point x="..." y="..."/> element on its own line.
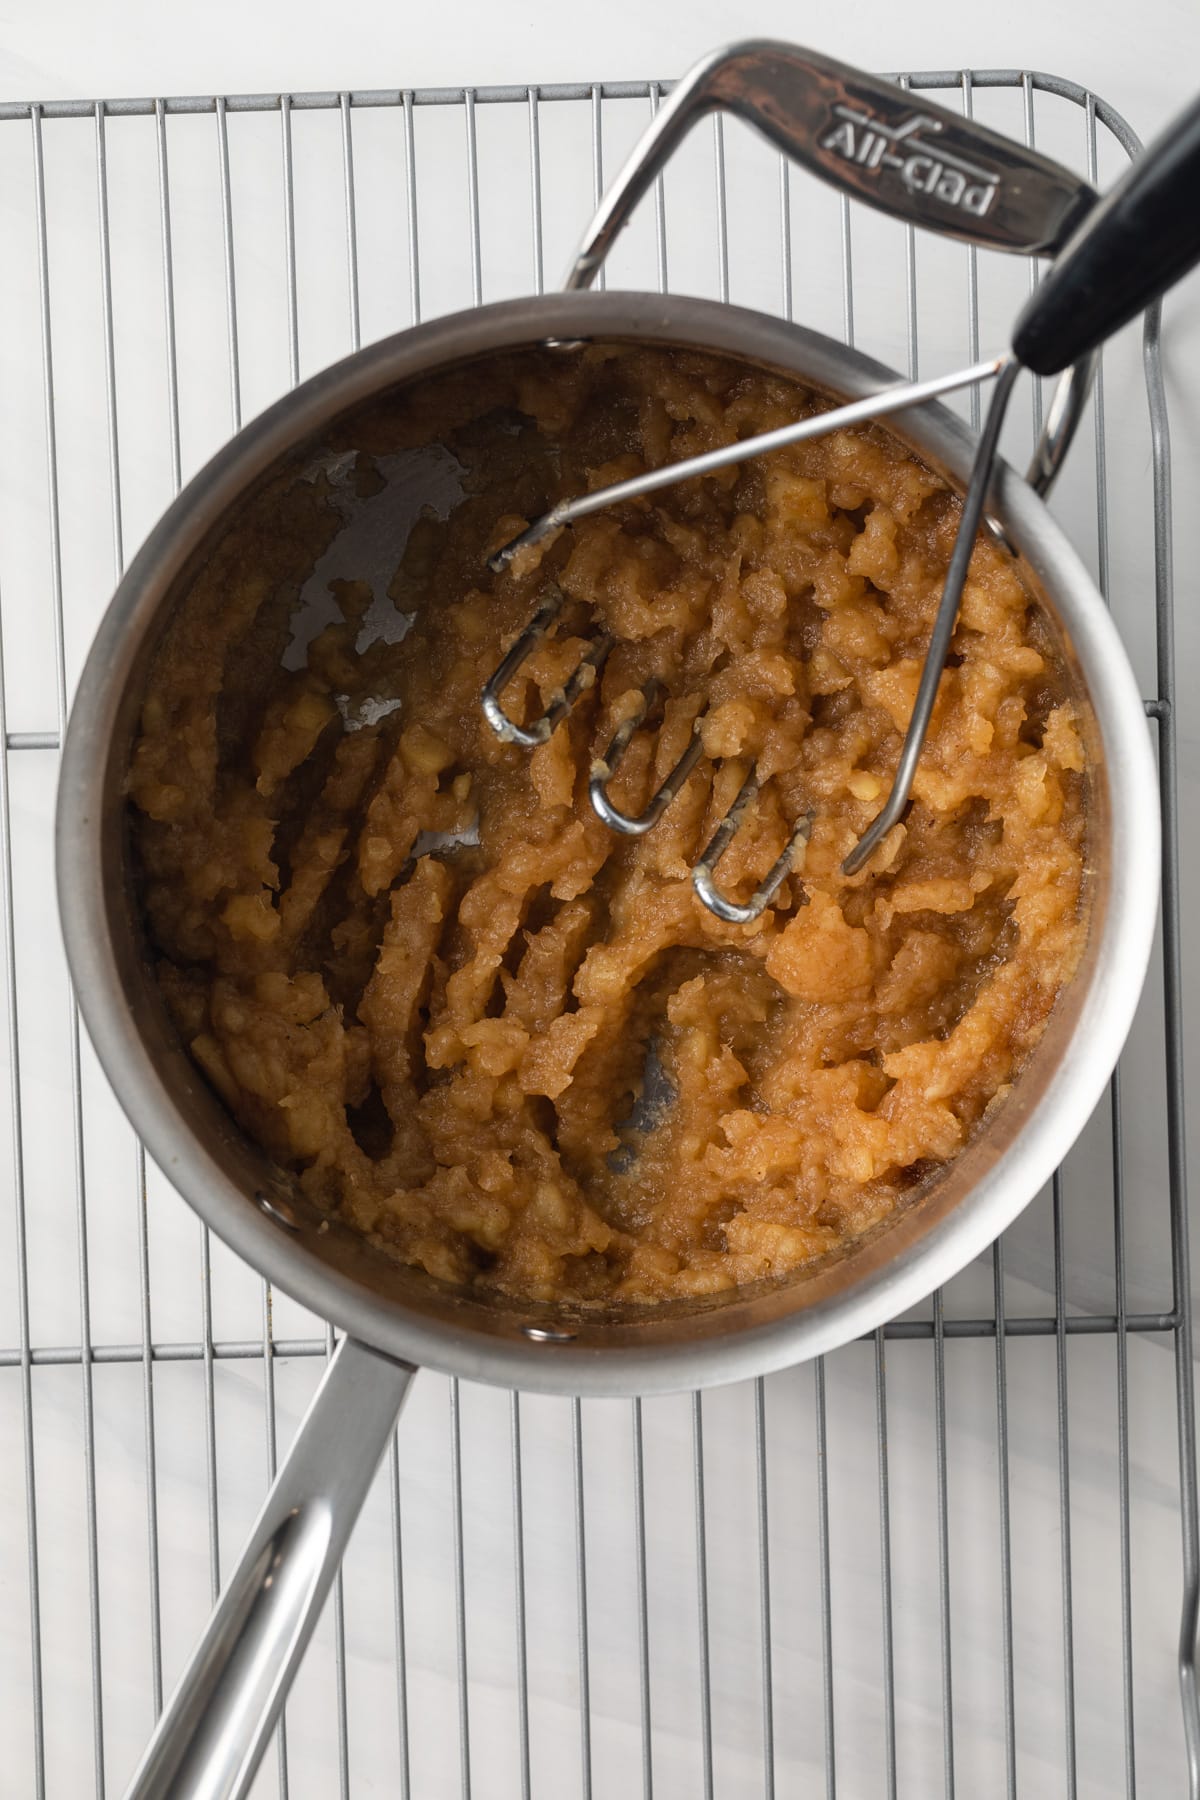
<point x="504" y="1044"/>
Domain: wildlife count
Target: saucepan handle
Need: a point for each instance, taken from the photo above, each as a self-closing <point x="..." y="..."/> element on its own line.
<point x="895" y="150"/>
<point x="218" y="1721"/>
<point x="898" y="152"/>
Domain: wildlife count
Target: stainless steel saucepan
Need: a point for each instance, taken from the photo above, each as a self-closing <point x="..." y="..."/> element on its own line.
<point x="217" y="1724"/>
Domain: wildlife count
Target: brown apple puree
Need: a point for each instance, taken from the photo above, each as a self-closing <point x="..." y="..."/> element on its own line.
<point x="451" y="1049"/>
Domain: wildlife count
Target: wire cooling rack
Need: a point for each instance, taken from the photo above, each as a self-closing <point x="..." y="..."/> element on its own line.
<point x="961" y="1555"/>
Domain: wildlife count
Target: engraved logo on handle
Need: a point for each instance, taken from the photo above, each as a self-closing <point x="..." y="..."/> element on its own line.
<point x="923" y="167"/>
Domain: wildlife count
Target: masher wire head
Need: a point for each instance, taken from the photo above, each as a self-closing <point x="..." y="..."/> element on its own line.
<point x="586" y="671"/>
<point x="583" y="677"/>
<point x="561" y="700"/>
<point x="605" y="767"/>
<point x="704" y="873"/>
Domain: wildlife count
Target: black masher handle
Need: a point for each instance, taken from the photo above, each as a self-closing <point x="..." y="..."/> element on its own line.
<point x="1142" y="237"/>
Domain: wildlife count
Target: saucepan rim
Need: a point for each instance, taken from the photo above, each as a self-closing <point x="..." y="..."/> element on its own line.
<point x="741" y="1338"/>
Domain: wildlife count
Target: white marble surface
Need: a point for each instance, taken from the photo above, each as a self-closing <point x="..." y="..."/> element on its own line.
<point x="1144" y="62"/>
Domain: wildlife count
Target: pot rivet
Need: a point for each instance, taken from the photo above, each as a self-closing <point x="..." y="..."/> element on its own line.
<point x="548" y="1334"/>
<point x="279" y="1210"/>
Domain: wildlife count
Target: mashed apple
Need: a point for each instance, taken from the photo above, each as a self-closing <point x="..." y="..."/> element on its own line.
<point x="507" y="1045"/>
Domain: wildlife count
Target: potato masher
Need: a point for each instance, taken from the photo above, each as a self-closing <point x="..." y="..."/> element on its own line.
<point x="928" y="167"/>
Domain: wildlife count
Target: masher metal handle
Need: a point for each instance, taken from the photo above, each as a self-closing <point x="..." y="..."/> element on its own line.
<point x="894" y="150"/>
<point x="1141" y="238"/>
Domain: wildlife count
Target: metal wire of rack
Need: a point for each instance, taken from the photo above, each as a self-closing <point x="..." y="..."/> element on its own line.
<point x="962" y="1554"/>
